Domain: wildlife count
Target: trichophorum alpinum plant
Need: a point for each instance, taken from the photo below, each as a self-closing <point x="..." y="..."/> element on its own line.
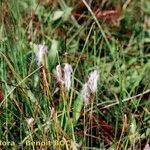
<point x="41" y="52"/>
<point x="88" y="93"/>
<point x="64" y="76"/>
<point x="84" y="103"/>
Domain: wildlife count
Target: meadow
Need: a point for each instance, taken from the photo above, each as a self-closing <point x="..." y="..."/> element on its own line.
<point x="74" y="75"/>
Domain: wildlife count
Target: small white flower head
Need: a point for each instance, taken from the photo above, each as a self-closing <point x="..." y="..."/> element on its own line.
<point x="85" y="92"/>
<point x="40" y="53"/>
<point x="67" y="76"/>
<point x="147" y="147"/>
<point x="92" y="81"/>
<point x="59" y="74"/>
<point x="30" y="121"/>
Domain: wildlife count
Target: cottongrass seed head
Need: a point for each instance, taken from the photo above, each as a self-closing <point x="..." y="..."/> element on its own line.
<point x="59" y="77"/>
<point x="85" y="92"/>
<point x="30" y="121"/>
<point x="93" y="80"/>
<point x="67" y="76"/>
<point x="147" y="147"/>
<point x="40" y="53"/>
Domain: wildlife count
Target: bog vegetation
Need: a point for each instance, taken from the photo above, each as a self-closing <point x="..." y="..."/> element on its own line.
<point x="75" y="74"/>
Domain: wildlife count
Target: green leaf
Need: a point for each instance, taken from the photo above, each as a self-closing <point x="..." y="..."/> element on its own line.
<point x="67" y="13"/>
<point x="31" y="96"/>
<point x="57" y="15"/>
<point x="77" y="107"/>
<point x="53" y="52"/>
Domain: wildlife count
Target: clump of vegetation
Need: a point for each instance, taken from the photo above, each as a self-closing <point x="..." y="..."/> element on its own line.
<point x="74" y="74"/>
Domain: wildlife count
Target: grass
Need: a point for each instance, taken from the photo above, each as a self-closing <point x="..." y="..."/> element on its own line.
<point x="35" y="109"/>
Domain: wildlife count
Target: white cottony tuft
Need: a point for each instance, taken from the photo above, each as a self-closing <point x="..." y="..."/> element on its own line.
<point x="85" y="93"/>
<point x="92" y="81"/>
<point x="90" y="86"/>
<point x="40" y="53"/>
<point x="30" y="121"/>
<point x="67" y="76"/>
<point x="59" y="74"/>
<point x="64" y="77"/>
<point x="147" y="147"/>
